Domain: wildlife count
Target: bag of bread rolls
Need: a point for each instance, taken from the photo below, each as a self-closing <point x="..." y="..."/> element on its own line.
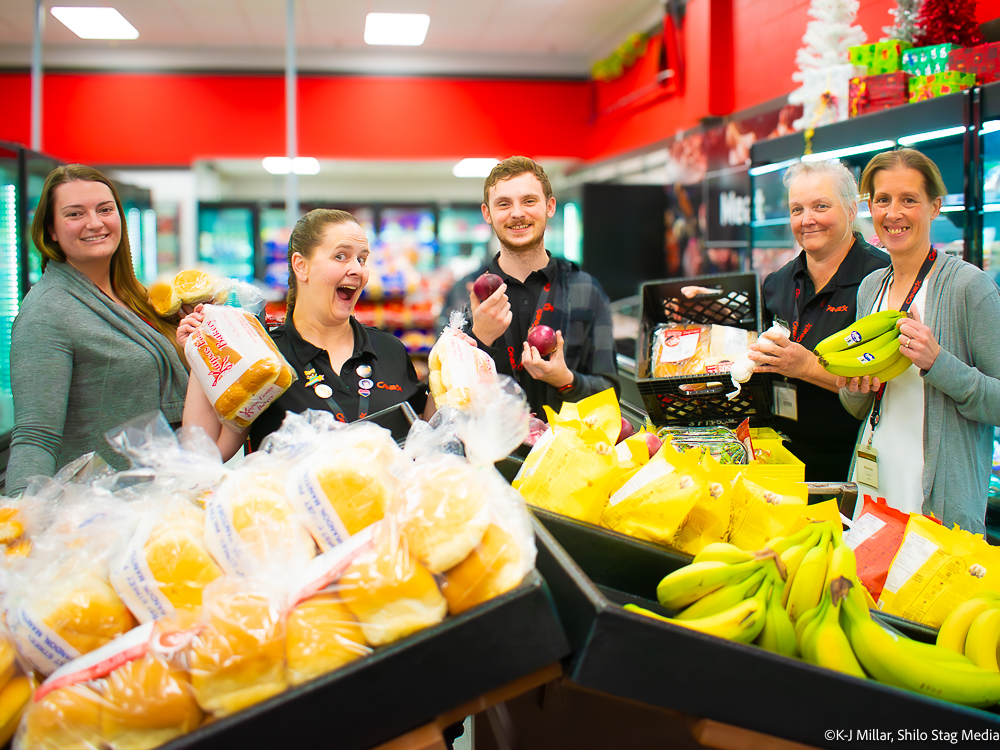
<point x="237" y="364"/>
<point x="346" y="483"/>
<point x="456" y="366"/>
<point x="187" y="287"/>
<point x="166" y="563"/>
<point x="132" y="694"/>
<point x="236" y="655"/>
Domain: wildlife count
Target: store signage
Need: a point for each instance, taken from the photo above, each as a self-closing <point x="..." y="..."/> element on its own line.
<point x="730" y="207"/>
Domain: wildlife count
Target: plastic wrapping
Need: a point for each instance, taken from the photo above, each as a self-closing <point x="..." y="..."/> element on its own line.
<point x="456" y="366"/>
<point x="687" y="349"/>
<point x="132" y="694"/>
<point x="188" y="287"/>
<point x="237" y="364"/>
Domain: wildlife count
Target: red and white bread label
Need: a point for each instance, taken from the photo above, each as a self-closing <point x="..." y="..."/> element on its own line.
<point x="679" y="345"/>
<point x="327" y="568"/>
<point x="125" y="648"/>
<point x="41" y="645"/>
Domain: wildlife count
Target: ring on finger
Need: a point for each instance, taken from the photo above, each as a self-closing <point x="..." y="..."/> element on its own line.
<point x="908" y="340"/>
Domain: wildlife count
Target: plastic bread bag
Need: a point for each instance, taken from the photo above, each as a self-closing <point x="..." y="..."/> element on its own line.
<point x="237" y="364"/>
<point x="61" y="604"/>
<point x="299" y="433"/>
<point x="16" y="687"/>
<point x="132" y="694"/>
<point x="457" y="365"/>
<point x="347" y="481"/>
<point x="680" y="349"/>
<point x="236" y="655"/>
<point x="187" y="287"/>
<point x="166" y="564"/>
<point x="250" y="524"/>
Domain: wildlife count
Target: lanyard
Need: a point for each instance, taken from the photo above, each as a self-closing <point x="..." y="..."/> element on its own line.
<point x="365" y="384"/>
<point x="508" y="337"/>
<point x="917" y="283"/>
<point x="798" y="335"/>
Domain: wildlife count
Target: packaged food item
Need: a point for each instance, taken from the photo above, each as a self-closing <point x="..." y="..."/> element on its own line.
<point x="708" y="519"/>
<point x="456" y="366"/>
<point x="166" y="565"/>
<point x="237" y="364"/>
<point x="680" y="349"/>
<point x="720" y="442"/>
<point x="131" y="694"/>
<point x="187" y="287"/>
<point x="761" y="512"/>
<point x="322" y="636"/>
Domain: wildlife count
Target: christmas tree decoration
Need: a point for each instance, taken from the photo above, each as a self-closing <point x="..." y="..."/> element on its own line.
<point x="948" y="22"/>
<point x="824" y="62"/>
<point x="905" y="14"/>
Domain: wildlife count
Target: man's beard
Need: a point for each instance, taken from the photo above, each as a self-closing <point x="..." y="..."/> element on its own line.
<point x="523" y="249"/>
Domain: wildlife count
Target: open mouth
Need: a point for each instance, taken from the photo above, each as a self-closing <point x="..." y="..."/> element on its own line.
<point x="98" y="238"/>
<point x="346" y="292"/>
<point x="895" y="231"/>
<point x="519" y="227"/>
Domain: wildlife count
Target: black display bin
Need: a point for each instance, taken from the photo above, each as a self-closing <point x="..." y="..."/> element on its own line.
<point x="659" y="664"/>
<point x="404" y="685"/>
<point x="396" y="419"/>
<point x="701" y="399"/>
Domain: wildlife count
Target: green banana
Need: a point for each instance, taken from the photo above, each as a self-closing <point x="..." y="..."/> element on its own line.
<point x="862" y="330"/>
<point x="781" y="543"/>
<point x="981" y="642"/>
<point x="880" y="654"/>
<point x="955" y="628"/>
<point x="778" y="633"/>
<point x="742" y="622"/>
<point x="793" y="557"/>
<point x="808" y="629"/>
<point x="807" y="586"/>
<point x="723" y="552"/>
<point x="722" y="599"/>
<point x="828" y="644"/>
<point x="864" y="360"/>
<point x="690" y="583"/>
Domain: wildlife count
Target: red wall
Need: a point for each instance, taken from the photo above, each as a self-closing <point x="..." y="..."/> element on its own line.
<point x="739" y="53"/>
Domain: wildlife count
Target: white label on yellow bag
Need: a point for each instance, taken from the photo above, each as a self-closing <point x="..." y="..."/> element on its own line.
<point x="649" y="473"/>
<point x="221" y="538"/>
<point x="309" y="500"/>
<point x="40" y="644"/>
<point x="866" y="526"/>
<point x="913" y="553"/>
<point x="678" y="345"/>
<point x="327" y="568"/>
<point x="134" y="582"/>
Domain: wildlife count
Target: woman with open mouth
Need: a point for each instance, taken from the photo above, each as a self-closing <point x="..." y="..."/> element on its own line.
<point x="927" y="440"/>
<point x="342" y="366"/>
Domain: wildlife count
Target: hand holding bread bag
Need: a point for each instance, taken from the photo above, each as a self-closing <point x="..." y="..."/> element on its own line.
<point x="457" y="366"/>
<point x="188" y="287"/>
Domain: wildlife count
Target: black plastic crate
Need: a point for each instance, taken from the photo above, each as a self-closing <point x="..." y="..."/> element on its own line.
<point x="701" y="399"/>
<point x="396" y="419"/>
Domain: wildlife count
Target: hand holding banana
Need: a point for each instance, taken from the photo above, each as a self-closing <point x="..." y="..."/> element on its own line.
<point x="867" y="353"/>
<point x="917" y="340"/>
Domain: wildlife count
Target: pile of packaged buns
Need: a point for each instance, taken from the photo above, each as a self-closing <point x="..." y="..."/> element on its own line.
<point x="140" y="604"/>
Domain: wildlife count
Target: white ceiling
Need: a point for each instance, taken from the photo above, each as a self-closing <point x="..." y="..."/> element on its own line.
<point x="466" y="37"/>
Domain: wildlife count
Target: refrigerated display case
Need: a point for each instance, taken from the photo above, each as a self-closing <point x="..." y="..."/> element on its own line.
<point x="227" y="235"/>
<point x="988" y="177"/>
<point x="140" y="218"/>
<point x="36" y="169"/>
<point x="10" y="273"/>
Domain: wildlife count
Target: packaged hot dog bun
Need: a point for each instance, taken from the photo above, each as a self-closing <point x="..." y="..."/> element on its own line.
<point x="457" y="367"/>
<point x="322" y="635"/>
<point x="189" y="287"/>
<point x="494" y="567"/>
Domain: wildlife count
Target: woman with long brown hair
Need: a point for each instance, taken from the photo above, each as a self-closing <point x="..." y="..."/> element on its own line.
<point x="88" y="352"/>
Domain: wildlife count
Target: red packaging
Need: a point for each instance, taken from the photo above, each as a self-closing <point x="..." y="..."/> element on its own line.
<point x="982" y="60"/>
<point x="872" y="93"/>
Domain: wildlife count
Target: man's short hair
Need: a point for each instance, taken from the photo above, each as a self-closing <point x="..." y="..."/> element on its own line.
<point x="512" y="167"/>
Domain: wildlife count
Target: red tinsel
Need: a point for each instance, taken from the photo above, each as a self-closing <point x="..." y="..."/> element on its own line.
<point x="947" y="22"/>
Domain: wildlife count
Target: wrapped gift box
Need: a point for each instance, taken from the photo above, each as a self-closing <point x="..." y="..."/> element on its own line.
<point x="983" y="61"/>
<point x="824" y="95"/>
<point x="925" y="61"/>
<point x="939" y="84"/>
<point x="872" y="93"/>
<point x="881" y="57"/>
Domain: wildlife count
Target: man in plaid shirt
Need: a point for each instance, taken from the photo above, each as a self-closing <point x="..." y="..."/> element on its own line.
<point x="538" y="288"/>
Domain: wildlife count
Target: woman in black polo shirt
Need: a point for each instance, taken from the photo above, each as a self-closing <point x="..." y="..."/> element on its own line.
<point x="816" y="295"/>
<point x="342" y="366"/>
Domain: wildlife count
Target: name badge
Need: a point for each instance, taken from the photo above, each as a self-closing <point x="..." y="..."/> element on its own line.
<point x="786" y="400"/>
<point x="866" y="466"/>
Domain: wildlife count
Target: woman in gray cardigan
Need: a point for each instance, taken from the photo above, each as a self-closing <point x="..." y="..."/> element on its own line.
<point x="927" y="439"/>
<point x="88" y="352"/>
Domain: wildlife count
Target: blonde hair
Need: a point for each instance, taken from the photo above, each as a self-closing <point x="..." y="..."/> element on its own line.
<point x="904" y="158"/>
<point x="306" y="237"/>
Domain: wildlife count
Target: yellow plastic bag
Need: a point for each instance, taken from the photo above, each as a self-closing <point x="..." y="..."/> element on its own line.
<point x="633" y="454"/>
<point x="762" y="512"/>
<point x="708" y="520"/>
<point x="935" y="570"/>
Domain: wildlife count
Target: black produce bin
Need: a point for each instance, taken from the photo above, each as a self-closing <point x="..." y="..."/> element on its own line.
<point x="656" y="663"/>
<point x="701" y="399"/>
<point x="404" y="685"/>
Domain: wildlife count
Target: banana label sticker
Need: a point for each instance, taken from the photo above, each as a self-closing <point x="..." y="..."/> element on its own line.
<point x="852" y="338"/>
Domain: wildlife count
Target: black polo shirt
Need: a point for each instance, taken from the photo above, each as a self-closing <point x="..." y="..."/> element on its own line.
<point x="523" y="298"/>
<point x="395" y="379"/>
<point x="824" y="435"/>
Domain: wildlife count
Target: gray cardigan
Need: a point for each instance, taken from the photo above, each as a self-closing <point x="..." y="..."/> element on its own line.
<point x="961" y="389"/>
<point x="81" y="365"/>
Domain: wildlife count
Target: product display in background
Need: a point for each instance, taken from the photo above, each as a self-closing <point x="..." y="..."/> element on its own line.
<point x="924" y="61"/>
<point x="939" y="84"/>
<point x="874" y="93"/>
<point x="881" y="57"/>
<point x="947" y="22"/>
<point x="982" y="61"/>
<point x="825" y="94"/>
<point x="905" y="17"/>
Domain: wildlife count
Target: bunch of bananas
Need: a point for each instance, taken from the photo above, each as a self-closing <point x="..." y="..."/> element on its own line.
<point x="869" y="346"/>
<point x="973" y="629"/>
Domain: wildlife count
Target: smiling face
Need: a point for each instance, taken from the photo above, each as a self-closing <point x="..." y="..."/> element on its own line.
<point x="331" y="279"/>
<point x="902" y="211"/>
<point x="819" y="221"/>
<point x="85" y="223"/>
<point x="518" y="212"/>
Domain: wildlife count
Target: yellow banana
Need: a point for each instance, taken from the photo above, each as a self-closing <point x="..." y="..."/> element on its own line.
<point x="805" y="634"/>
<point x="13" y="699"/>
<point x="880" y="654"/>
<point x="793" y="557"/>
<point x="690" y="583"/>
<point x="955" y="628"/>
<point x="982" y="641"/>
<point x="843" y="564"/>
<point x="778" y="633"/>
<point x="722" y="599"/>
<point x="807" y="586"/>
<point x="742" y="622"/>
<point x="781" y="543"/>
<point x="894" y="370"/>
<point x="935" y="653"/>
<point x="864" y="360"/>
<point x="828" y="645"/>
<point x="862" y="330"/>
<point x="723" y="552"/>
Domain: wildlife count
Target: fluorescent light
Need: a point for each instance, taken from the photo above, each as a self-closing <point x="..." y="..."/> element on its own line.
<point x="909" y="140"/>
<point x="474" y="167"/>
<point x="990" y="127"/>
<point x="991" y="208"/>
<point x="754" y="171"/>
<point x="403" y="29"/>
<point x="837" y="153"/>
<point x="947" y="209"/>
<point x="284" y="165"/>
<point x="95" y="23"/>
<point x="770" y="222"/>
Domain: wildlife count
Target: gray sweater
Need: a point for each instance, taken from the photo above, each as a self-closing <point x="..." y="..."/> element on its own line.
<point x="81" y="365"/>
<point x="961" y="389"/>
